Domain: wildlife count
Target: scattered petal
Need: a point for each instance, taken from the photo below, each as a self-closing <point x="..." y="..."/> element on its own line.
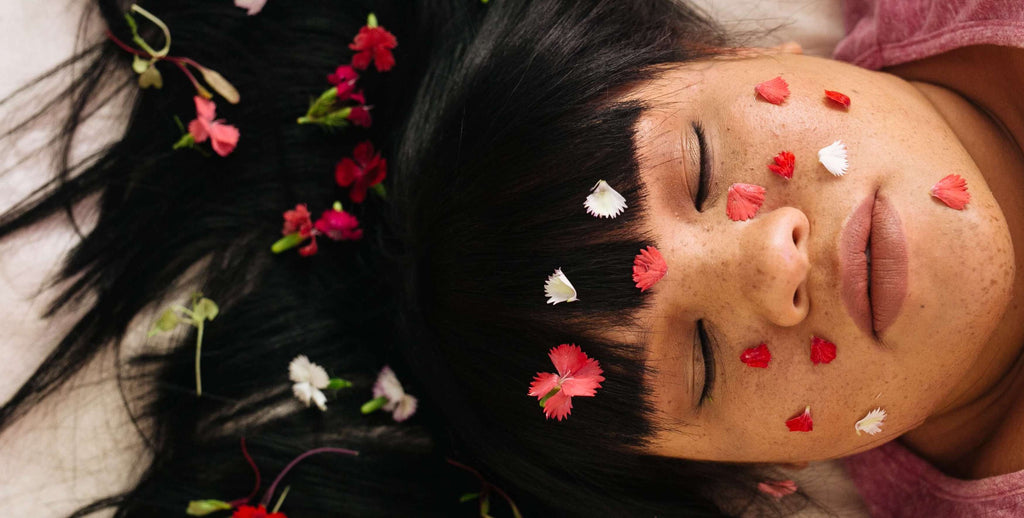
<point x="309" y="379"/>
<point x="364" y="170"/>
<point x="558" y="288"/>
<point x="744" y="201"/>
<point x="784" y="164"/>
<point x="373" y="44"/>
<point x="802" y="422"/>
<point x="224" y="137"/>
<point x="833" y="157"/>
<point x="604" y="202"/>
<point x="339" y="225"/>
<point x="952" y="190"/>
<point x="757" y="356"/>
<point x="254" y="6"/>
<point x="822" y="351"/>
<point x="401" y="405"/>
<point x="774" y="91"/>
<point x="648" y="268"/>
<point x="872" y="423"/>
<point x="248" y="511"/>
<point x="578" y="375"/>
<point x="777" y="488"/>
<point x="838" y="98"/>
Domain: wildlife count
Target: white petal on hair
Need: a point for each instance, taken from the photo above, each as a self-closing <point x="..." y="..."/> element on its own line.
<point x="320" y="399"/>
<point x="604" y="202"/>
<point x="254" y="6"/>
<point x="872" y="423"/>
<point x="387" y="385"/>
<point x="833" y="157"/>
<point x="405" y="408"/>
<point x="301" y="370"/>
<point x="558" y="288"/>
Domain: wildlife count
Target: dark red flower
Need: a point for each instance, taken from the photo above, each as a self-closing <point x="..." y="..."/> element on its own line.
<point x="784" y="164"/>
<point x="343" y="74"/>
<point x="373" y="44"/>
<point x="757" y="356"/>
<point x="248" y="511"/>
<point x="298" y="220"/>
<point x="339" y="225"/>
<point x="801" y="422"/>
<point x="366" y="170"/>
<point x="360" y="115"/>
<point x="822" y="351"/>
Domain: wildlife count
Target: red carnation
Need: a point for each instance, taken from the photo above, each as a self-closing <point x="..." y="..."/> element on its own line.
<point x="343" y="74"/>
<point x="248" y="511"/>
<point x="360" y="115"/>
<point x="297" y="220"/>
<point x="373" y="44"/>
<point x="339" y="225"/>
<point x="366" y="170"/>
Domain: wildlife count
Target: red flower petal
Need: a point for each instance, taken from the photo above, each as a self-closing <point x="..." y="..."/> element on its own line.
<point x="343" y="74"/>
<point x="952" y="190"/>
<point x="558" y="406"/>
<point x="802" y="422"/>
<point x="542" y="383"/>
<point x="364" y="170"/>
<point x="360" y="116"/>
<point x="784" y="164"/>
<point x="757" y="356"/>
<point x="838" y="98"/>
<point x="822" y="351"/>
<point x="578" y="375"/>
<point x="373" y="44"/>
<point x="744" y="201"/>
<point x="297" y="220"/>
<point x="205" y="108"/>
<point x="339" y="225"/>
<point x="648" y="268"/>
<point x="309" y="249"/>
<point x="248" y="511"/>
<point x="774" y="91"/>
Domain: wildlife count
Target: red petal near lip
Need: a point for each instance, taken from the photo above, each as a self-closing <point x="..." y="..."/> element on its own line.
<point x="952" y="190"/>
<point x="744" y="201"/>
<point x="838" y="98"/>
<point x="784" y="164"/>
<point x="757" y="356"/>
<point x="822" y="351"/>
<point x="773" y="90"/>
<point x="802" y="422"/>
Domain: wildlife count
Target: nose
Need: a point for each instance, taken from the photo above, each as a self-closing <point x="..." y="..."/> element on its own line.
<point x="775" y="265"/>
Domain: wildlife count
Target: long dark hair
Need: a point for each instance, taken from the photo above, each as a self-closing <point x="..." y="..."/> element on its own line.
<point x="496" y="122"/>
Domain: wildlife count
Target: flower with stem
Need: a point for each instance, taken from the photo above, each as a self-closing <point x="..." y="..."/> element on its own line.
<point x="389" y="395"/>
<point x="203" y="309"/>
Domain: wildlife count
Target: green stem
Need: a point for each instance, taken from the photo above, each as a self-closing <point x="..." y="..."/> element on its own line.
<point x="280" y="499"/>
<point x="199" y="349"/>
<point x="373" y="405"/>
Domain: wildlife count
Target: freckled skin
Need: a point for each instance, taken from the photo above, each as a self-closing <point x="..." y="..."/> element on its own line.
<point x="775" y="278"/>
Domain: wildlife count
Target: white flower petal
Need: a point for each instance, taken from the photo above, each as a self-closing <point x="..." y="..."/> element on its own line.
<point x="872" y="423"/>
<point x="301" y="370"/>
<point x="320" y="399"/>
<point x="604" y="202"/>
<point x="387" y="385"/>
<point x="303" y="392"/>
<point x="405" y="409"/>
<point x="558" y="288"/>
<point x="833" y="157"/>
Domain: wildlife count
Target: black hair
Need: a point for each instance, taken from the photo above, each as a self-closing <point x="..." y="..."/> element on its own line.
<point x="496" y="122"/>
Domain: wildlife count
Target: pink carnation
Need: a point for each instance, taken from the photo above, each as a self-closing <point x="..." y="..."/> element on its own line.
<point x="223" y="137"/>
<point x="578" y="375"/>
<point x="339" y="226"/>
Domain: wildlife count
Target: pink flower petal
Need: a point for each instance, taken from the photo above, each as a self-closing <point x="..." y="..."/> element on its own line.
<point x="648" y="268"/>
<point x="578" y="375"/>
<point x="744" y="201"/>
<point x="774" y="90"/>
<point x="205" y="108"/>
<point x="838" y="98"/>
<point x="543" y="382"/>
<point x="777" y="488"/>
<point x="558" y="406"/>
<point x="822" y="351"/>
<point x="784" y="164"/>
<point x="199" y="129"/>
<point x="802" y="422"/>
<point x="757" y="356"/>
<point x="223" y="138"/>
<point x="952" y="190"/>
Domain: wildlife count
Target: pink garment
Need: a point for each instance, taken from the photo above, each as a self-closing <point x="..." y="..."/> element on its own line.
<point x="896" y="483"/>
<point x="883" y="33"/>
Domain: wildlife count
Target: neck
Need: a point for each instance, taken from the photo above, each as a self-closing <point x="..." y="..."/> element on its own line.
<point x="977" y="433"/>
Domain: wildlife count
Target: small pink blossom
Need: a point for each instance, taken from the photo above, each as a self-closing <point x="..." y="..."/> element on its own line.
<point x="298" y="220"/>
<point x="364" y="170"/>
<point x="223" y="137"/>
<point x="578" y="375"/>
<point x="339" y="225"/>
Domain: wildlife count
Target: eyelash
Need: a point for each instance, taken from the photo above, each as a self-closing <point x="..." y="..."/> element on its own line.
<point x="709" y="362"/>
<point x="704" y="181"/>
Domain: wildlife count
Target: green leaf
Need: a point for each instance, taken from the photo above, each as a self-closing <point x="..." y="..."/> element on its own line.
<point x="468" y="496"/>
<point x="205" y="507"/>
<point x="338" y="383"/>
<point x="186" y="140"/>
<point x="205" y="309"/>
<point x="485" y="506"/>
<point x="287" y="243"/>
<point x="168" y="320"/>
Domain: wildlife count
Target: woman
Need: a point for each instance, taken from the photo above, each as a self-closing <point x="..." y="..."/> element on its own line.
<point x="496" y="122"/>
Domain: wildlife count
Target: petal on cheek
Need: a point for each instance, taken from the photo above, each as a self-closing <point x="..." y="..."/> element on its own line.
<point x="952" y="190"/>
<point x="757" y="356"/>
<point x="822" y="351"/>
<point x="744" y="201"/>
<point x="802" y="422"/>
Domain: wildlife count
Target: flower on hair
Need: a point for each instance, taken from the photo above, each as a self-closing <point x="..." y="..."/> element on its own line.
<point x="334" y="223"/>
<point x="604" y="202"/>
<point x="648" y="268"/>
<point x="248" y="511"/>
<point x="558" y="288"/>
<point x="363" y="171"/>
<point x="784" y="164"/>
<point x="373" y="44"/>
<point x="774" y="90"/>
<point x="743" y="201"/>
<point x="833" y="157"/>
<point x="838" y="98"/>
<point x="205" y="507"/>
<point x="871" y="423"/>
<point x="777" y="488"/>
<point x="757" y="356"/>
<point x="822" y="351"/>
<point x="253" y="6"/>
<point x="223" y="137"/>
<point x="578" y="375"/>
<point x="802" y="422"/>
<point x="339" y="225"/>
<point x="309" y="381"/>
<point x="389" y="395"/>
<point x="952" y="190"/>
<point x="344" y="80"/>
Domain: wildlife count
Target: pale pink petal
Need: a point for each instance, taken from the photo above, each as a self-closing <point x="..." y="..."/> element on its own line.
<point x="388" y="386"/>
<point x="224" y="138"/>
<point x="205" y="108"/>
<point x="777" y="488"/>
<point x="199" y="129"/>
<point x="543" y="382"/>
<point x="405" y="408"/>
<point x="254" y="6"/>
<point x="558" y="406"/>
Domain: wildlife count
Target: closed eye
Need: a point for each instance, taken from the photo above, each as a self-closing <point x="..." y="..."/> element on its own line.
<point x="704" y="181"/>
<point x="707" y="353"/>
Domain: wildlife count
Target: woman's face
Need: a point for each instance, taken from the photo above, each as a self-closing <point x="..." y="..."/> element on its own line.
<point x="798" y="268"/>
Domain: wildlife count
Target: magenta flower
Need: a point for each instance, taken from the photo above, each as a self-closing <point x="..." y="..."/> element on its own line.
<point x="223" y="137"/>
<point x="339" y="225"/>
<point x="365" y="171"/>
<point x="373" y="44"/>
<point x="578" y="375"/>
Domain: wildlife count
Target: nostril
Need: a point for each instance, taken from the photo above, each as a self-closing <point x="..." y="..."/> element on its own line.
<point x="796" y="298"/>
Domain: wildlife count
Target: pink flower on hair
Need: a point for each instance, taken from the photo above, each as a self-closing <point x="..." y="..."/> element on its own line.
<point x="360" y="115"/>
<point x="297" y="220"/>
<point x="648" y="268"/>
<point x="342" y="74"/>
<point x="578" y="375"/>
<point x="373" y="44"/>
<point x="253" y="6"/>
<point x="339" y="225"/>
<point x="344" y="78"/>
<point x="248" y="511"/>
<point x="365" y="171"/>
<point x="223" y="137"/>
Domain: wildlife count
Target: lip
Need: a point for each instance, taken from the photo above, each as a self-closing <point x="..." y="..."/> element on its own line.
<point x="873" y="298"/>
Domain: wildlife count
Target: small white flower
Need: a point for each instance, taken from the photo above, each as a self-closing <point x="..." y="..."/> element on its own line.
<point x="872" y="423"/>
<point x="558" y="288"/>
<point x="401" y="405"/>
<point x="309" y="379"/>
<point x="254" y="6"/>
<point x="833" y="157"/>
<point x="604" y="202"/>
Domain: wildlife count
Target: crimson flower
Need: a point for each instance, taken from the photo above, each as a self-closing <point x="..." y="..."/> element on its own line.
<point x="248" y="511"/>
<point x="373" y="44"/>
<point x="757" y="356"/>
<point x="822" y="351"/>
<point x="223" y="137"/>
<point x="339" y="225"/>
<point x="784" y="164"/>
<point x="344" y="78"/>
<point x="578" y="375"/>
<point x="342" y="74"/>
<point x="648" y="268"/>
<point x="360" y="115"/>
<point x="298" y="221"/>
<point x="366" y="170"/>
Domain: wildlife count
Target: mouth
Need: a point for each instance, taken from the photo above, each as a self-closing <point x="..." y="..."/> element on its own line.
<point x="873" y="265"/>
